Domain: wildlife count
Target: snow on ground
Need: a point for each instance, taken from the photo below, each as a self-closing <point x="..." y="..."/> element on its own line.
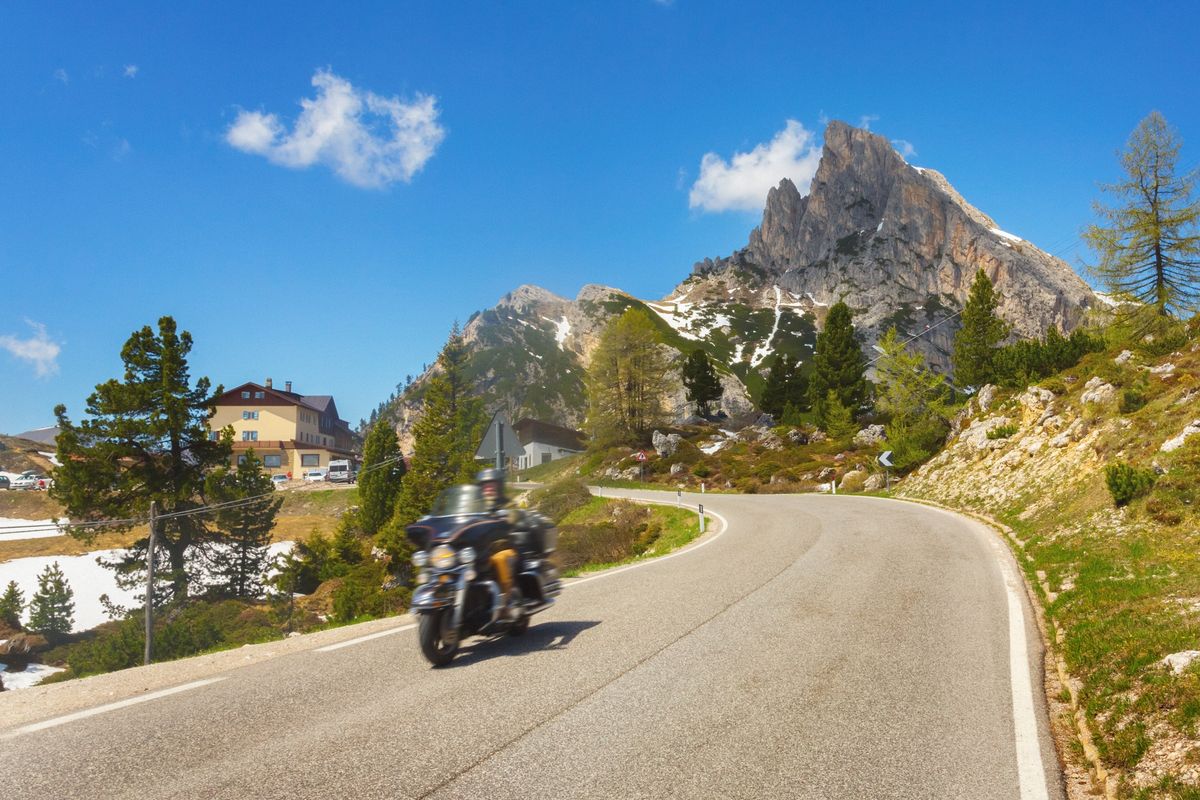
<point x="709" y="449"/>
<point x="766" y="348"/>
<point x="1006" y="235"/>
<point x="815" y="301"/>
<point x="879" y="227"/>
<point x="88" y="580"/>
<point x="52" y="456"/>
<point x="1107" y="299"/>
<point x="562" y="330"/>
<point x="30" y="676"/>
<point x="679" y="316"/>
<point x="738" y="352"/>
<point x="48" y="526"/>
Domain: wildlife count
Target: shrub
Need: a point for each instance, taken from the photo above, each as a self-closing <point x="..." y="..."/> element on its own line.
<point x="1056" y="385"/>
<point x="1127" y="483"/>
<point x="1002" y="431"/>
<point x="1028" y="360"/>
<point x="363" y="593"/>
<point x="913" y="441"/>
<point x="561" y="498"/>
<point x="1132" y="399"/>
<point x="702" y="471"/>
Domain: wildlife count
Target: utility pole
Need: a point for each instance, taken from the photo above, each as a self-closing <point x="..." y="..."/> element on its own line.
<point x="499" y="445"/>
<point x="150" y="581"/>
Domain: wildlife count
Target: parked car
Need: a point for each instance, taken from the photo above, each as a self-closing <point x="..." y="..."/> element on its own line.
<point x="25" y="482"/>
<point x="342" y="471"/>
<point x="279" y="480"/>
<point x="314" y="476"/>
<point x="5" y="483"/>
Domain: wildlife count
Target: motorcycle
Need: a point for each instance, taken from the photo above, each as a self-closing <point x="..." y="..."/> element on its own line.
<point x="480" y="572"/>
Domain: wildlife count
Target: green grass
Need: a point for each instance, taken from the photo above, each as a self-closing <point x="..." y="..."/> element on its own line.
<point x="545" y="473"/>
<point x="678" y="527"/>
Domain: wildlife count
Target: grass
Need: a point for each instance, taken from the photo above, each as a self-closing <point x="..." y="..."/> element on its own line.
<point x="545" y="473"/>
<point x="627" y="532"/>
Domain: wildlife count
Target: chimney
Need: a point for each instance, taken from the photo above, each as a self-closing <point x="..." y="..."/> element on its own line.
<point x="268" y="383"/>
<point x="288" y="384"/>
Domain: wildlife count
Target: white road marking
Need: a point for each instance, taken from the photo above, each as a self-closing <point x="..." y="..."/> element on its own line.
<point x="91" y="712"/>
<point x="330" y="647"/>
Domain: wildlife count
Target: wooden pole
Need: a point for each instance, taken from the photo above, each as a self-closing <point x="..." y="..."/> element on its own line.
<point x="150" y="582"/>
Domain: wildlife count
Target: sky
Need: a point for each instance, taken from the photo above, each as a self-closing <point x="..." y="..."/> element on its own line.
<point x="318" y="191"/>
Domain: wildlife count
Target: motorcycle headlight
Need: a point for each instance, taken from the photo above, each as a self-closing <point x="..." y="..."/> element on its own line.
<point x="423" y="577"/>
<point x="466" y="555"/>
<point x="420" y="558"/>
<point x="443" y="557"/>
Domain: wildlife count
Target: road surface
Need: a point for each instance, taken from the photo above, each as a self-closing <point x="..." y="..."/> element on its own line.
<point x="815" y="647"/>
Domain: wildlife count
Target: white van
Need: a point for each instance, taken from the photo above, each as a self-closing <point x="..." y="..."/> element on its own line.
<point x="342" y="471"/>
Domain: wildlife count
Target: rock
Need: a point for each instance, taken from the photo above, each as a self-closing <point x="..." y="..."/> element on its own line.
<point x="771" y="441"/>
<point x="694" y="419"/>
<point x="875" y="482"/>
<point x="1123" y="357"/>
<point x="853" y="481"/>
<point x="986" y="396"/>
<point x="870" y="435"/>
<point x="665" y="444"/>
<point x="826" y="474"/>
<point x="839" y="458"/>
<point x="678" y="469"/>
<point x="976" y="435"/>
<point x="817" y="437"/>
<point x="797" y="436"/>
<point x="1097" y="391"/>
<point x="1178" y="662"/>
<point x="1165" y="371"/>
<point x="1191" y="429"/>
<point x="765" y="421"/>
<point x="1036" y="398"/>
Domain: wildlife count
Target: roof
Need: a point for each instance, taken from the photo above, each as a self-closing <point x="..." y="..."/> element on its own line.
<point x="321" y="403"/>
<point x="533" y="430"/>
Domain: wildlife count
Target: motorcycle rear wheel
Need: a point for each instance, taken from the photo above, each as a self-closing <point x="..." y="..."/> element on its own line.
<point x="438" y="648"/>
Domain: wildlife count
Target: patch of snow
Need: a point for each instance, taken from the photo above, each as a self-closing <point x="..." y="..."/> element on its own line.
<point x="709" y="449"/>
<point x="562" y="331"/>
<point x="879" y="227"/>
<point x="32" y="675"/>
<point x="1006" y="235"/>
<point x="53" y="457"/>
<point x="50" y="529"/>
<point x="919" y="169"/>
<point x="738" y="352"/>
<point x="815" y="301"/>
<point x="765" y="349"/>
<point x="1107" y="299"/>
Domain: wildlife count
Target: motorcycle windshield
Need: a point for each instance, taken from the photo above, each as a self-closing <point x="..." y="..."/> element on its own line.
<point x="459" y="501"/>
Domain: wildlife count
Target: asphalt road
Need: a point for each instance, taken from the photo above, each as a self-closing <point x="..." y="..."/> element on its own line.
<point x="819" y="647"/>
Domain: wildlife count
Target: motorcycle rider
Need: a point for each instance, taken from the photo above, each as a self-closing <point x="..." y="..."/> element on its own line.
<point x="491" y="487"/>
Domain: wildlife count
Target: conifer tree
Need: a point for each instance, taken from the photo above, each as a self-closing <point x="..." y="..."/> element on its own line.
<point x="915" y="400"/>
<point x="52" y="609"/>
<point x="838" y="419"/>
<point x="838" y="364"/>
<point x="1150" y="247"/>
<point x="701" y="382"/>
<point x="380" y="479"/>
<point x="12" y="603"/>
<point x="145" y="439"/>
<point x="627" y="382"/>
<point x="239" y="558"/>
<point x="446" y="435"/>
<point x="786" y="387"/>
<point x="976" y="342"/>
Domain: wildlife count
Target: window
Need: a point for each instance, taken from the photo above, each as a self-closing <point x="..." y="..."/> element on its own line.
<point x="258" y="395"/>
<point x="214" y="436"/>
<point x="241" y="461"/>
<point x="249" y="436"/>
<point x="272" y="462"/>
<point x="245" y="395"/>
<point x="249" y="415"/>
<point x="310" y="460"/>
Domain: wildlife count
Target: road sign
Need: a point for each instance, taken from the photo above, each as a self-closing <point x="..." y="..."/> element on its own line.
<point x="885" y="458"/>
<point x="641" y="455"/>
<point x="500" y="442"/>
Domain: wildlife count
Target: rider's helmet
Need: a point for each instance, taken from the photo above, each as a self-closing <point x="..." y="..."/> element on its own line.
<point x="491" y="485"/>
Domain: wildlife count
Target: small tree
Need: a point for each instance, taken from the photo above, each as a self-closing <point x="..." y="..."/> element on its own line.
<point x="1150" y="248"/>
<point x="701" y="382"/>
<point x="627" y="382"/>
<point x="380" y="479"/>
<point x="12" y="603"/>
<point x="981" y="333"/>
<point x="914" y="398"/>
<point x="838" y="364"/>
<point x="52" y="609"/>
<point x="839" y="421"/>
<point x="239" y="559"/>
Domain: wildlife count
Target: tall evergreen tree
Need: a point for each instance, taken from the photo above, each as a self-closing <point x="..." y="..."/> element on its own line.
<point x="627" y="381"/>
<point x="145" y="439"/>
<point x="915" y="400"/>
<point x="52" y="608"/>
<point x="380" y="479"/>
<point x="786" y="389"/>
<point x="239" y="558"/>
<point x="701" y="382"/>
<point x="447" y="434"/>
<point x="12" y="603"/>
<point x="976" y="342"/>
<point x="1150" y="247"/>
<point x="838" y="364"/>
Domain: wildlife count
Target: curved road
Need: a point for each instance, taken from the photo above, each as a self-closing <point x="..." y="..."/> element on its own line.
<point x="818" y="647"/>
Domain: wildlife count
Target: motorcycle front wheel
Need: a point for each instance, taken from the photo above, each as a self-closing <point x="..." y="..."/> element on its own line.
<point x="438" y="642"/>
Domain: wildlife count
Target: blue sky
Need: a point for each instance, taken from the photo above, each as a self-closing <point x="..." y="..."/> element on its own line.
<point x="157" y="161"/>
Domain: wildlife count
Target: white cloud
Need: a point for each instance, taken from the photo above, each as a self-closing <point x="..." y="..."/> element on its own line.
<point x="130" y="71"/>
<point x="39" y="349"/>
<point x="367" y="139"/>
<point x="904" y="148"/>
<point x="60" y="74"/>
<point x="865" y="121"/>
<point x="742" y="183"/>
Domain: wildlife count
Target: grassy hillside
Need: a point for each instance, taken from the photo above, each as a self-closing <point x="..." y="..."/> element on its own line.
<point x="1121" y="582"/>
<point x="19" y="455"/>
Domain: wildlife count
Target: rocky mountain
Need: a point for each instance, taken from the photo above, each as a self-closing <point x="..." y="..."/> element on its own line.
<point x="895" y="241"/>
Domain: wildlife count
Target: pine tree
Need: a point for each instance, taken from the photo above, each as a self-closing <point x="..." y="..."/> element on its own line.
<point x="239" y="559"/>
<point x="838" y="419"/>
<point x="12" y="603"/>
<point x="627" y="382"/>
<point x="1150" y="249"/>
<point x="380" y="479"/>
<point x="701" y="382"/>
<point x="915" y="400"/>
<point x="976" y="342"/>
<point x="838" y="364"/>
<point x="446" y="436"/>
<point x="145" y="439"/>
<point x="774" y="395"/>
<point x="52" y="609"/>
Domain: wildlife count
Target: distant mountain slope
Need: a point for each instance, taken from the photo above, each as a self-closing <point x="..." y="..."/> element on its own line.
<point x="896" y="242"/>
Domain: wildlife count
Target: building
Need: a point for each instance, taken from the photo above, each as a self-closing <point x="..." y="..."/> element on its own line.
<point x="544" y="442"/>
<point x="290" y="432"/>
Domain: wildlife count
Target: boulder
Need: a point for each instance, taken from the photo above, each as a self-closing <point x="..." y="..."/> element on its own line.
<point x="816" y="437"/>
<point x="765" y="421"/>
<point x="678" y="469"/>
<point x="870" y="435"/>
<point x="1096" y="390"/>
<point x="797" y="436"/>
<point x="771" y="441"/>
<point x="1178" y="662"/>
<point x="875" y="482"/>
<point x="1124" y="357"/>
<point x="665" y="444"/>
<point x="1177" y="442"/>
<point x="1036" y="398"/>
<point x="986" y="396"/>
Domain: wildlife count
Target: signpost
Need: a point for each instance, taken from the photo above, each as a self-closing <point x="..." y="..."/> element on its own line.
<point x="500" y="441"/>
<point x="640" y="457"/>
<point x="700" y="508"/>
<point x="885" y="458"/>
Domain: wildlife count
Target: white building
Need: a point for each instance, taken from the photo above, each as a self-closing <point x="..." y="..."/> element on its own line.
<point x="544" y="442"/>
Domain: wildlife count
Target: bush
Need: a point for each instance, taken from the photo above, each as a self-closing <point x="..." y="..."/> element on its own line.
<point x="363" y="593"/>
<point x="1132" y="399"/>
<point x="1127" y="483"/>
<point x="913" y="441"/>
<point x="1029" y="360"/>
<point x="702" y="471"/>
<point x="561" y="498"/>
<point x="1002" y="431"/>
